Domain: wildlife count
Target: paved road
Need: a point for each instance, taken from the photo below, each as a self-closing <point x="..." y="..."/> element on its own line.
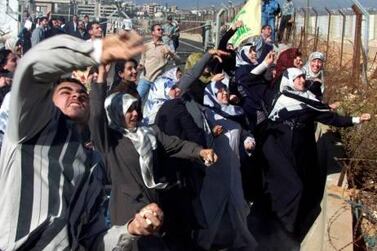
<point x="186" y="47"/>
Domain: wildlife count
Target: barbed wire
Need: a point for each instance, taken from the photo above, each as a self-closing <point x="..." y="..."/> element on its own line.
<point x="362" y="208"/>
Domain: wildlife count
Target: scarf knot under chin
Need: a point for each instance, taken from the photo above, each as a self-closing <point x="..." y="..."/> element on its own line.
<point x="143" y="138"/>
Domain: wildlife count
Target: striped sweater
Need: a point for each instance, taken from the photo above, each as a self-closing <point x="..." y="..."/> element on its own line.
<point x="51" y="185"/>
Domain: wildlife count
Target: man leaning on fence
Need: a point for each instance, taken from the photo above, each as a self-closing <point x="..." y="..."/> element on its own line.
<point x="52" y="185"/>
<point x="286" y="21"/>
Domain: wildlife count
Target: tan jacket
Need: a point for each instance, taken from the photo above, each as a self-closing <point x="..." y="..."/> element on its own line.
<point x="154" y="59"/>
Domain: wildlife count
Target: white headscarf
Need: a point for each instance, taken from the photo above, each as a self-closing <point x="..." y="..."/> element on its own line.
<point x="158" y="94"/>
<point x="172" y="74"/>
<point x="143" y="138"/>
<point x="211" y="100"/>
<point x="241" y="56"/>
<point x="308" y="99"/>
<point x="10" y="44"/>
<point x="309" y="74"/>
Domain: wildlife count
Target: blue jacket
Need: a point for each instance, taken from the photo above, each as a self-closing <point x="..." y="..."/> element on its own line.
<point x="270" y="7"/>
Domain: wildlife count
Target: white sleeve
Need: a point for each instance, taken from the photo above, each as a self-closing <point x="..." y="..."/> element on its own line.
<point x="356" y="120"/>
<point x="260" y="68"/>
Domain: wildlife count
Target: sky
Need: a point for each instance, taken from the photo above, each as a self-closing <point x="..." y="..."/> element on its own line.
<point x="330" y="4"/>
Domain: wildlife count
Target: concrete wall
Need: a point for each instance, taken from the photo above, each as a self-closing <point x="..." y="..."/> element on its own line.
<point x="336" y="26"/>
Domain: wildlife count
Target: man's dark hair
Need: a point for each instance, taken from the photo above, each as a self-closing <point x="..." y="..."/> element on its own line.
<point x="42" y="18"/>
<point x="86" y="16"/>
<point x="50" y="21"/>
<point x="4" y="53"/>
<point x="119" y="65"/>
<point x="71" y="80"/>
<point x="154" y="26"/>
<point x="265" y="26"/>
<point x="90" y="25"/>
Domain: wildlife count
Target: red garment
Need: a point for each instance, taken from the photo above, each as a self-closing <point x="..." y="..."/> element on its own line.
<point x="285" y="61"/>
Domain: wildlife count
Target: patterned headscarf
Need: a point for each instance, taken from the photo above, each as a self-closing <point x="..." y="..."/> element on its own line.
<point x="158" y="94"/>
<point x="143" y="138"/>
<point x="171" y="74"/>
<point x="300" y="100"/>
<point x="211" y="100"/>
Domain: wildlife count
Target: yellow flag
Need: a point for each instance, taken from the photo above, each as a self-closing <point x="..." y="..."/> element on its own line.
<point x="250" y="14"/>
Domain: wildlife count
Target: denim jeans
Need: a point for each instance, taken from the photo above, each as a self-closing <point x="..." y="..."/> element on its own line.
<point x="143" y="88"/>
<point x="270" y="20"/>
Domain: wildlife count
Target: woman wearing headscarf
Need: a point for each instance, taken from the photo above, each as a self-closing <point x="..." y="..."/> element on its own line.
<point x="183" y="117"/>
<point x="293" y="181"/>
<point x="131" y="153"/>
<point x="196" y="87"/>
<point x="246" y="62"/>
<point x="164" y="88"/>
<point x="286" y="59"/>
<point x="198" y="75"/>
<point x="229" y="62"/>
<point x="222" y="196"/>
<point x="253" y="84"/>
<point x="314" y="74"/>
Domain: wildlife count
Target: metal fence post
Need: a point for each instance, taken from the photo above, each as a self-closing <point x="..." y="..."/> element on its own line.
<point x="207" y="34"/>
<point x="306" y="27"/>
<point x="357" y="43"/>
<point x="316" y="30"/>
<point x="342" y="43"/>
<point x="294" y="31"/>
<point x="316" y="19"/>
<point x="302" y="34"/>
<point x="316" y="39"/>
<point x="218" y="25"/>
<point x="366" y="27"/>
<point x="364" y="46"/>
<point x="328" y="33"/>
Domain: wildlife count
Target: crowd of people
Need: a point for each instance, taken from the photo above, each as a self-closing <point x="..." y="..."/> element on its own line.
<point x="218" y="155"/>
